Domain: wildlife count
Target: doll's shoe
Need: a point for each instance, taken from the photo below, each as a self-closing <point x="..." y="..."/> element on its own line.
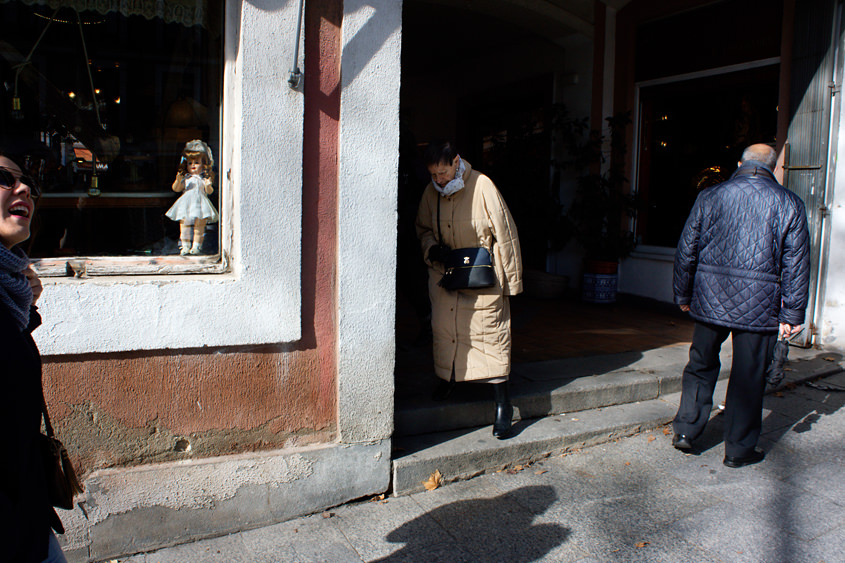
<point x="185" y="250"/>
<point x="196" y="249"/>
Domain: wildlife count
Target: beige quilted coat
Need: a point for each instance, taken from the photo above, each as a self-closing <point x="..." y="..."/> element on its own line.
<point x="472" y="327"/>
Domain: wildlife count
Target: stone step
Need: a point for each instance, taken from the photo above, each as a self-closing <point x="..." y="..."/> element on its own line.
<point x="601" y="403"/>
<point x="466" y="453"/>
<point x="542" y="389"/>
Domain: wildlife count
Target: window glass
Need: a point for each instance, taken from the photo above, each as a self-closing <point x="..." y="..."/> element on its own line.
<point x="692" y="133"/>
<point x="102" y="97"/>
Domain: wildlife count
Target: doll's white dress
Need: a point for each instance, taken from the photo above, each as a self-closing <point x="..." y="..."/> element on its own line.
<point x="193" y="204"/>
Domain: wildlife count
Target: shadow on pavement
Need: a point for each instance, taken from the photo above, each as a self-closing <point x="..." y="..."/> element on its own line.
<point x="496" y="529"/>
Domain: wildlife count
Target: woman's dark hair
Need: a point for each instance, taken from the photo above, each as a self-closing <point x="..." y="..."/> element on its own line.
<point x="439" y="152"/>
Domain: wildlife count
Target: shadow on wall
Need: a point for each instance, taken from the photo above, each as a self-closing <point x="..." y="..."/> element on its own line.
<point x="496" y="529"/>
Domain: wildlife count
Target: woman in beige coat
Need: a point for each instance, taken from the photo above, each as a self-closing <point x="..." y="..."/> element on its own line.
<point x="471" y="327"/>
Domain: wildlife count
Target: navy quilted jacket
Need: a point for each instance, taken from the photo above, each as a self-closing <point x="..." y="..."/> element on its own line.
<point x="743" y="260"/>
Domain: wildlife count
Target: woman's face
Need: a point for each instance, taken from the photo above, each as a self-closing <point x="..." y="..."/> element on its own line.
<point x="16" y="206"/>
<point x="196" y="166"/>
<point x="443" y="172"/>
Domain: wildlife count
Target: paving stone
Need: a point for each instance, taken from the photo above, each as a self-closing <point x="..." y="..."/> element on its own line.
<point x="828" y="548"/>
<point x="494" y="528"/>
<point x="303" y="540"/>
<point x="273" y="544"/>
<point x="367" y="526"/>
<point x="449" y="552"/>
<point x="823" y="479"/>
<point x="750" y="537"/>
<point x="229" y="548"/>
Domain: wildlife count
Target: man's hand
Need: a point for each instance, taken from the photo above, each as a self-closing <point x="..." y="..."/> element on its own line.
<point x="787" y="331"/>
<point x="34" y="283"/>
<point x="684" y="308"/>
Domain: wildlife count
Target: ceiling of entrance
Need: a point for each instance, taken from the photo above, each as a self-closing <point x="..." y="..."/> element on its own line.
<point x="553" y="19"/>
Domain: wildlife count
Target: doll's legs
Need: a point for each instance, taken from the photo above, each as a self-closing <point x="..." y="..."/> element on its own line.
<point x="199" y="235"/>
<point x="185" y="234"/>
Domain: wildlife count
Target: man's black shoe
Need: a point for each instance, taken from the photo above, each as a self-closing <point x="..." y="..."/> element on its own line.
<point x="754" y="457"/>
<point x="683" y="443"/>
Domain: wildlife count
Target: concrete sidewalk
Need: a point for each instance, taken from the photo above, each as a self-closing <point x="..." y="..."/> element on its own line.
<point x="631" y="499"/>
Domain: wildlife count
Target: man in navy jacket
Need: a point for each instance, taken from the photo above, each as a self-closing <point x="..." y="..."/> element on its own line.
<point x="742" y="268"/>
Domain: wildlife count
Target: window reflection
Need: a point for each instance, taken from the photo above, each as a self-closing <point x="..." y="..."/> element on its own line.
<point x="103" y="96"/>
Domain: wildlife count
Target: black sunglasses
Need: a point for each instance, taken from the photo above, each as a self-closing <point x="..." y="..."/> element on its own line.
<point x="9" y="179"/>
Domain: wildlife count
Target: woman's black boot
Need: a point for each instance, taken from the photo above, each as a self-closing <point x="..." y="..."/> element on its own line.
<point x="504" y="411"/>
<point x="444" y="390"/>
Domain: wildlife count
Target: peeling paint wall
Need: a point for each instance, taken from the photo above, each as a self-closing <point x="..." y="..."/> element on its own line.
<point x="129" y="409"/>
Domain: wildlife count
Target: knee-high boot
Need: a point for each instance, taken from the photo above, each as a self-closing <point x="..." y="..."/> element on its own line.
<point x="504" y="411"/>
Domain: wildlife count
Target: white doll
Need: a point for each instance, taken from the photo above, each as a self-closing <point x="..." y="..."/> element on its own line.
<point x="193" y="209"/>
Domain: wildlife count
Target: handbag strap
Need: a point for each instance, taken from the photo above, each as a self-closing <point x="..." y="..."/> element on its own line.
<point x="47" y="424"/>
<point x="439" y="232"/>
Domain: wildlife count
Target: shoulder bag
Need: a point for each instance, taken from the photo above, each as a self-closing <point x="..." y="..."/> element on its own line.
<point x="466" y="268"/>
<point x="62" y="483"/>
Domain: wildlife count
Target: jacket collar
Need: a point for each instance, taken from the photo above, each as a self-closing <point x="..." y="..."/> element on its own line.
<point x="754" y="168"/>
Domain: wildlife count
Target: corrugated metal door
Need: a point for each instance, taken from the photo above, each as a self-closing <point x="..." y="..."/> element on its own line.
<point x="806" y="158"/>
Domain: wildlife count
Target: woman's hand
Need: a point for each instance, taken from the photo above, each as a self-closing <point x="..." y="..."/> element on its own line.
<point x="34" y="283"/>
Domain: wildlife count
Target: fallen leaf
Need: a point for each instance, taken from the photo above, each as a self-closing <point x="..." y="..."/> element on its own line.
<point x="667" y="431"/>
<point x="575" y="419"/>
<point x="385" y="501"/>
<point x="651" y="438"/>
<point x="540" y="472"/>
<point x="328" y="514"/>
<point x="434" y="481"/>
<point x="641" y="544"/>
<point x="627" y="463"/>
<point x="788" y="369"/>
<point x="518" y="468"/>
<point x="778" y="393"/>
<point x="511" y="471"/>
<point x="829" y="359"/>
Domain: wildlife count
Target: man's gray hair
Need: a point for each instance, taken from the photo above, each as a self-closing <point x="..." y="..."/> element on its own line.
<point x="761" y="153"/>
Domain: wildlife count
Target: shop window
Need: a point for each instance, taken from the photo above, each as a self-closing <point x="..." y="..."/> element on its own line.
<point x="691" y="134"/>
<point x="102" y="97"/>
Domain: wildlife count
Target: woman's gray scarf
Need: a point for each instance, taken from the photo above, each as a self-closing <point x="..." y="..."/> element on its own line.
<point x="454" y="185"/>
<point x="15" y="291"/>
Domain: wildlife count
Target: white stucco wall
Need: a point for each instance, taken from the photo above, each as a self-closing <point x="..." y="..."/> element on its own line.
<point x="259" y="300"/>
<point x="367" y="203"/>
<point x="648" y="273"/>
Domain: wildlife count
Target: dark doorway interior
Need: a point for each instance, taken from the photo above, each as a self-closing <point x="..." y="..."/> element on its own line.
<point x="692" y="133"/>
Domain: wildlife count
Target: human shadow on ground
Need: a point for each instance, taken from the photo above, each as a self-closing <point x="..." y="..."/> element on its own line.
<point x="494" y="529"/>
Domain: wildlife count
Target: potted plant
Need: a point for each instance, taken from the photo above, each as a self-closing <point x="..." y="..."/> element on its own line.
<point x="600" y="212"/>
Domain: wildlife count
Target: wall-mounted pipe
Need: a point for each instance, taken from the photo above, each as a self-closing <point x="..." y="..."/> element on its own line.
<point x="295" y="76"/>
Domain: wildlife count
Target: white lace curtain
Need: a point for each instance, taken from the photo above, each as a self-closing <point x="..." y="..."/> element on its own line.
<point x="185" y="12"/>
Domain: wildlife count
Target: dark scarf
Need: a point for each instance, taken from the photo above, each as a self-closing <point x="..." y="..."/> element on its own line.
<point x="15" y="291"/>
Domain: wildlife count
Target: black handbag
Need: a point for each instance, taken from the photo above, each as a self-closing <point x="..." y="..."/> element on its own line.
<point x="466" y="268"/>
<point x="62" y="483"/>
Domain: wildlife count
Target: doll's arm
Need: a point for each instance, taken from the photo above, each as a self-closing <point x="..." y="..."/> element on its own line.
<point x="179" y="182"/>
<point x="207" y="185"/>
